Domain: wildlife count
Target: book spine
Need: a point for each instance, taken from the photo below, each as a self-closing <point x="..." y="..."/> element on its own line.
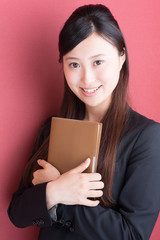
<point x="95" y="158"/>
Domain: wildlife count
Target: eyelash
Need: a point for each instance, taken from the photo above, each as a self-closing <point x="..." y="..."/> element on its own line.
<point x="98" y="61"/>
<point x="76" y="65"/>
<point x="72" y="65"/>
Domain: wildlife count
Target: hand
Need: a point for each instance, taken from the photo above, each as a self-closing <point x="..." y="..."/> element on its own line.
<point x="75" y="187"/>
<point x="46" y="174"/>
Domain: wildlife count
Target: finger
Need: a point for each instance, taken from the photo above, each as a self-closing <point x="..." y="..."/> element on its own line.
<point x="95" y="193"/>
<point x="96" y="185"/>
<point x="37" y="173"/>
<point x="90" y="203"/>
<point x="34" y="181"/>
<point x="42" y="163"/>
<point x="34" y="174"/>
<point x="83" y="166"/>
<point x="93" y="176"/>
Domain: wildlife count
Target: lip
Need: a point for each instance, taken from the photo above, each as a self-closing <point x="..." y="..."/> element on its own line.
<point x="90" y="94"/>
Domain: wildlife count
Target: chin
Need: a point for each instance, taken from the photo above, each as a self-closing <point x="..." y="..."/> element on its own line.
<point x="92" y="104"/>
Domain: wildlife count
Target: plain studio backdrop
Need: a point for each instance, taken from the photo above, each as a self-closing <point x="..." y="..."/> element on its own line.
<point x="31" y="79"/>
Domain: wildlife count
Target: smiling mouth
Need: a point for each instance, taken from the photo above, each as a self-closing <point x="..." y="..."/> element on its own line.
<point x="90" y="90"/>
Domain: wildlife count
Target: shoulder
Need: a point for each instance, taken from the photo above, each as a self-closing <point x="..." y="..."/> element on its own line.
<point x="45" y="128"/>
<point x="141" y="137"/>
<point x="139" y="123"/>
<point x="145" y="134"/>
<point x="43" y="133"/>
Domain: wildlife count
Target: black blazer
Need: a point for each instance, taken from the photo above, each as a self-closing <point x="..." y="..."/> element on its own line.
<point x="135" y="189"/>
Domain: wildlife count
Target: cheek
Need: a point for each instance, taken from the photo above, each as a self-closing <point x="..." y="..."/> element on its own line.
<point x="110" y="75"/>
<point x="71" y="79"/>
<point x="68" y="75"/>
<point x="110" y="78"/>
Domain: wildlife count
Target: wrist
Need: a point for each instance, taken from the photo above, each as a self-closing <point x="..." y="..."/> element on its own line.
<point x="51" y="194"/>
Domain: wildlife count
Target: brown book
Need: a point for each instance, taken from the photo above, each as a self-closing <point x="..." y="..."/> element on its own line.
<point x="72" y="142"/>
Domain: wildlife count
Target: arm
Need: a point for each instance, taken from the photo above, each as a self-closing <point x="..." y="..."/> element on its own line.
<point x="139" y="200"/>
<point x="28" y="205"/>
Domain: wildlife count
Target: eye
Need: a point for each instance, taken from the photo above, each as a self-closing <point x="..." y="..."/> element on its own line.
<point x="74" y="65"/>
<point x="98" y="62"/>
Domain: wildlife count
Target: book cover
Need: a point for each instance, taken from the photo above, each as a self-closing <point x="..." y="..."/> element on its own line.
<point x="72" y="141"/>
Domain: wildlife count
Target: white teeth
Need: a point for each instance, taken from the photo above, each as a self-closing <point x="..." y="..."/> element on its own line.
<point x="90" y="90"/>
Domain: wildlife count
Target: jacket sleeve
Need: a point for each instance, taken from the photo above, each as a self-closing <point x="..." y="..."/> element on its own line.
<point x="138" y="203"/>
<point x="28" y="205"/>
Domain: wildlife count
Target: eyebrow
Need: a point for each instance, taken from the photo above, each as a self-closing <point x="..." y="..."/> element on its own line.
<point x="75" y="58"/>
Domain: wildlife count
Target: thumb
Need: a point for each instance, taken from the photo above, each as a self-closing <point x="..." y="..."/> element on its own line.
<point x="42" y="163"/>
<point x="83" y="166"/>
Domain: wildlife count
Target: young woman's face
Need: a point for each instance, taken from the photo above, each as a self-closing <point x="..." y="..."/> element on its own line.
<point x="92" y="70"/>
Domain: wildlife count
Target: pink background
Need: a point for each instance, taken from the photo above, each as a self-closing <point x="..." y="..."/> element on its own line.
<point x="31" y="82"/>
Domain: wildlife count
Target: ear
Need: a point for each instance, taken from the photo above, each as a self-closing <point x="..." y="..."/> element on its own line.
<point x="122" y="58"/>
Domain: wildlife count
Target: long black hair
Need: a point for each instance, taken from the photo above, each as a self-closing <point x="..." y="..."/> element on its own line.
<point x="82" y="23"/>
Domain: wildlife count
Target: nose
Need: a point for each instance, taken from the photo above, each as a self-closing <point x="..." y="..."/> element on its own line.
<point x="88" y="76"/>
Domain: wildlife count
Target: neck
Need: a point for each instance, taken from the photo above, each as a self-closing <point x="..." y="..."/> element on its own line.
<point x="95" y="114"/>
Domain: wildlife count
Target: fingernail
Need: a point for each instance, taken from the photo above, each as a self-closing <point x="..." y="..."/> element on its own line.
<point x="88" y="160"/>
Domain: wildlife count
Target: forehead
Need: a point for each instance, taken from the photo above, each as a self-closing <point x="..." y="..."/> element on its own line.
<point x="92" y="46"/>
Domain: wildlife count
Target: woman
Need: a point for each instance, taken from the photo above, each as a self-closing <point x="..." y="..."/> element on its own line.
<point x="126" y="186"/>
